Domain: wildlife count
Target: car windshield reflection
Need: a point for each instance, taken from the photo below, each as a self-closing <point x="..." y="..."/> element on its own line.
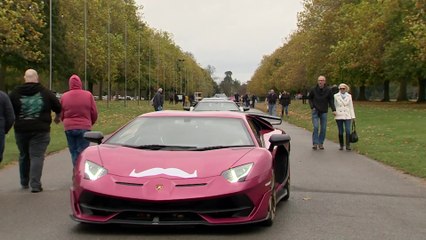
<point x="183" y="133"/>
<point x="216" y="106"/>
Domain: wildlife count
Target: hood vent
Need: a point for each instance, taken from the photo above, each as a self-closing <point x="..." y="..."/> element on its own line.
<point x="130" y="184"/>
<point x="191" y="185"/>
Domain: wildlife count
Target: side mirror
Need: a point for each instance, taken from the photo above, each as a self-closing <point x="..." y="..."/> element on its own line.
<point x="278" y="139"/>
<point x="94" y="136"/>
<point x="246" y="109"/>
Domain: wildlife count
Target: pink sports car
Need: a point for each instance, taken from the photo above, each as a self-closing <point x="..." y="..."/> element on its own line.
<point x="184" y="168"/>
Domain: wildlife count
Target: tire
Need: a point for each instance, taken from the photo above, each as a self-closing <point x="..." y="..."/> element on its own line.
<point x="272" y="208"/>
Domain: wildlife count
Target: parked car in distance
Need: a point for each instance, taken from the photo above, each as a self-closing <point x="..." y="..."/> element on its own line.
<point x="177" y="168"/>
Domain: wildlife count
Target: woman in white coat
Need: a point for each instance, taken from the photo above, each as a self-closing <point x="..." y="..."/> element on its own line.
<point x="344" y="114"/>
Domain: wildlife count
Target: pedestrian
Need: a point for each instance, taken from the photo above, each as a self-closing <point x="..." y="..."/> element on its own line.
<point x="285" y="101"/>
<point x="246" y="101"/>
<point x="78" y="115"/>
<point x="344" y="114"/>
<point x="191" y="100"/>
<point x="158" y="100"/>
<point x="33" y="105"/>
<point x="304" y="95"/>
<point x="184" y="101"/>
<point x="171" y="98"/>
<point x="236" y="97"/>
<point x="253" y="100"/>
<point x="320" y="99"/>
<point x="7" y="117"/>
<point x="176" y="97"/>
<point x="187" y="102"/>
<point x="271" y="99"/>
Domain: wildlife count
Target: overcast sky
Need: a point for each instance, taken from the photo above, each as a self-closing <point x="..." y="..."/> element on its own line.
<point x="231" y="35"/>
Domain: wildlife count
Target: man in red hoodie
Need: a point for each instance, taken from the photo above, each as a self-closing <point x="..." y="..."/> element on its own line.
<point x="78" y="115"/>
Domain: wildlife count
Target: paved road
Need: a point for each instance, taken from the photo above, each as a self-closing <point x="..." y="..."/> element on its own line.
<point x="334" y="195"/>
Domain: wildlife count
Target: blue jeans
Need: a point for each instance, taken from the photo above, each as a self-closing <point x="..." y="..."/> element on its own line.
<point x="76" y="143"/>
<point x="272" y="108"/>
<point x="319" y="121"/>
<point x="2" y="143"/>
<point x="32" y="147"/>
<point x="346" y="123"/>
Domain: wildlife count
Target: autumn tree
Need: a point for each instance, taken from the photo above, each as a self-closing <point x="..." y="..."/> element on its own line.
<point x="20" y="33"/>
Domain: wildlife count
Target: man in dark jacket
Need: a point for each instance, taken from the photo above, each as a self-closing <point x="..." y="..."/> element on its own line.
<point x="253" y="100"/>
<point x="33" y="104"/>
<point x="285" y="101"/>
<point x="272" y="102"/>
<point x="236" y="97"/>
<point x="7" y="117"/>
<point x="320" y="98"/>
<point x="246" y="100"/>
<point x="158" y="100"/>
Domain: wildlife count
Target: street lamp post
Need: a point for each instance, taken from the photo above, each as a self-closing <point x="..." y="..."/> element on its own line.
<point x="50" y="45"/>
<point x="85" y="44"/>
<point x="125" y="64"/>
<point x="139" y="69"/>
<point x="109" y="56"/>
<point x="149" y="71"/>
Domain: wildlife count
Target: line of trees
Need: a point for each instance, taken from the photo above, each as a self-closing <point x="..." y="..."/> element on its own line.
<point x="365" y="43"/>
<point x="103" y="41"/>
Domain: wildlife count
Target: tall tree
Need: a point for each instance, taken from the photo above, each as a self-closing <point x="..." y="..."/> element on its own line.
<point x="20" y="33"/>
<point x="416" y="37"/>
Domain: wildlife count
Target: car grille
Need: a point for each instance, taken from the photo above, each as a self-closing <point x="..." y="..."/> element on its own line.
<point x="160" y="212"/>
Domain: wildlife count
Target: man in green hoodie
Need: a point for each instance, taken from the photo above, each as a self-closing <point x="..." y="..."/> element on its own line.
<point x="33" y="105"/>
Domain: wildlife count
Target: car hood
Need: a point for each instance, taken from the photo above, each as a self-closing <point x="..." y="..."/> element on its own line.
<point x="125" y="162"/>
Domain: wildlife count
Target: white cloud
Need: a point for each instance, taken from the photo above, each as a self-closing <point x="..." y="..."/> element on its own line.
<point x="231" y="35"/>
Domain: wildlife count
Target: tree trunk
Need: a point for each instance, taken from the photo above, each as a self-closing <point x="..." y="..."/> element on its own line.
<point x="2" y="77"/>
<point x="386" y="97"/>
<point x="421" y="94"/>
<point x="402" y="95"/>
<point x="361" y="96"/>
<point x="90" y="86"/>
<point x="101" y="92"/>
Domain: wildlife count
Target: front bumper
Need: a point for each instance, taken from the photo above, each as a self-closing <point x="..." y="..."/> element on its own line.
<point x="212" y="201"/>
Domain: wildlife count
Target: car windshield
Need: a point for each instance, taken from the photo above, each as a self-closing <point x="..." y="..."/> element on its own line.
<point x="183" y="133"/>
<point x="216" y="106"/>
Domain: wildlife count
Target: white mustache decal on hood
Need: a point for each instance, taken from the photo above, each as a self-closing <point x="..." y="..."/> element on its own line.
<point x="174" y="172"/>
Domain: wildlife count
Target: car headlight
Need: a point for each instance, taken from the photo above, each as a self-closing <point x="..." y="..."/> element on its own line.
<point x="93" y="171"/>
<point x="237" y="174"/>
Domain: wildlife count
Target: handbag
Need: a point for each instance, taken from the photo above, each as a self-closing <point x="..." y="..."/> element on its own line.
<point x="353" y="138"/>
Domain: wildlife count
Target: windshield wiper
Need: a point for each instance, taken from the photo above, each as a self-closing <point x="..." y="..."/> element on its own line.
<point x="159" y="147"/>
<point x="220" y="147"/>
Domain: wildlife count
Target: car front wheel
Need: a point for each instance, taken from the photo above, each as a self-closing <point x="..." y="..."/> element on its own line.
<point x="272" y="206"/>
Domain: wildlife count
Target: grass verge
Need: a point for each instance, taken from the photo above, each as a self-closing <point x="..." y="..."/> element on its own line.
<point x="390" y="132"/>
